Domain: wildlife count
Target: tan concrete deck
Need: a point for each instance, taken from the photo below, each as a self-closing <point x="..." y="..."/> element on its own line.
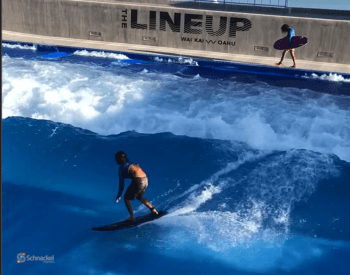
<point x="103" y="45"/>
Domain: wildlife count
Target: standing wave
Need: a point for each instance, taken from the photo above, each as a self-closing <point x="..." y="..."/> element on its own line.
<point x="113" y="99"/>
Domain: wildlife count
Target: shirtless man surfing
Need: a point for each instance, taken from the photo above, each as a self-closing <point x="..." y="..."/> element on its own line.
<point x="138" y="184"/>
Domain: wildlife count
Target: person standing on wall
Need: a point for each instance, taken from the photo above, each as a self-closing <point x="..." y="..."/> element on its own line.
<point x="291" y="33"/>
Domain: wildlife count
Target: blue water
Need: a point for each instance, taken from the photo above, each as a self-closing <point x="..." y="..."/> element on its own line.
<point x="251" y="162"/>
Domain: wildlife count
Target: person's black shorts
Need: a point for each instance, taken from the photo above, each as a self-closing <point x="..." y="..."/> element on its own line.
<point x="136" y="189"/>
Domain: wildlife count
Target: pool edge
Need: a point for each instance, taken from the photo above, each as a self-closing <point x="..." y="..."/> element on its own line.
<point x="155" y="50"/>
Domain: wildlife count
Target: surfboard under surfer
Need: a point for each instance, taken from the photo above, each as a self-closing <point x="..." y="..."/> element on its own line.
<point x="138" y="184"/>
<point x="291" y="33"/>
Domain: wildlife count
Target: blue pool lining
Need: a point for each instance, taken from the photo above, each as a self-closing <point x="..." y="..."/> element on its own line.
<point x="215" y="64"/>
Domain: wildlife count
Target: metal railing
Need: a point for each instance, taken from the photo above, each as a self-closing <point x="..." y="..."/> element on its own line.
<point x="261" y="3"/>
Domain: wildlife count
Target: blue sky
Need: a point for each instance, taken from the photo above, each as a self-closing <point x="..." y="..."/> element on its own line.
<point x="320" y="4"/>
<point x="317" y="4"/>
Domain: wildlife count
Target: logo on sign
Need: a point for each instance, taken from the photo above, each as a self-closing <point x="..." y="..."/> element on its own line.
<point x="193" y="23"/>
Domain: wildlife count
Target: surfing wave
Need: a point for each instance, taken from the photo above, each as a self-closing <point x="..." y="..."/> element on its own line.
<point x="255" y="206"/>
<point x="222" y="197"/>
<point x="241" y="197"/>
<point x="114" y="100"/>
<point x="238" y="189"/>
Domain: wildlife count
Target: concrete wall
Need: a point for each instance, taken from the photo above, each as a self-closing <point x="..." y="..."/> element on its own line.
<point x="255" y="34"/>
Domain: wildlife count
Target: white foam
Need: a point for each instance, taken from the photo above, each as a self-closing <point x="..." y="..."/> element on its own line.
<point x="180" y="60"/>
<point x="331" y="77"/>
<point x="114" y="100"/>
<point x="247" y="157"/>
<point x="208" y="187"/>
<point x="196" y="201"/>
<point x="18" y="46"/>
<point x="211" y="226"/>
<point x="261" y="212"/>
<point x="100" y="54"/>
<point x="53" y="132"/>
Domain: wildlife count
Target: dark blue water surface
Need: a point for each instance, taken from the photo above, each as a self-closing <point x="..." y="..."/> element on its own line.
<point x="252" y="164"/>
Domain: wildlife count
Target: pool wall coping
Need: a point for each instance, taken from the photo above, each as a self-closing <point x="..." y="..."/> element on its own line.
<point x="155" y="50"/>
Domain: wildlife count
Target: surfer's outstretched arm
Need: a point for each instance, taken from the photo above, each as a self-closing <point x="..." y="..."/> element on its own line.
<point x="121" y="188"/>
